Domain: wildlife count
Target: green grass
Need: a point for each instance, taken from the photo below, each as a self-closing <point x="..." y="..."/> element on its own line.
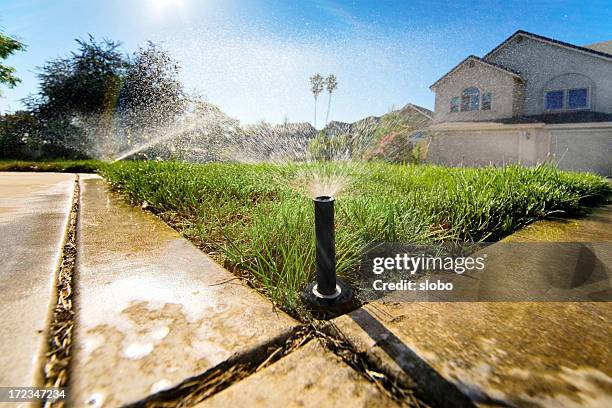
<point x="248" y="218"/>
<point x="61" y="166"/>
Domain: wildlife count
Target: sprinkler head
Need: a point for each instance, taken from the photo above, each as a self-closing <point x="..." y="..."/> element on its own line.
<point x="328" y="294"/>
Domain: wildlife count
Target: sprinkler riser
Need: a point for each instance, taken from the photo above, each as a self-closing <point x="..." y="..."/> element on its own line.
<point x="328" y="296"/>
<point x="325" y="247"/>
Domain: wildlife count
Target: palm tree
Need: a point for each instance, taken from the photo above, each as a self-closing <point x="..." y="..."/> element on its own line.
<point x="316" y="87"/>
<point x="331" y="83"/>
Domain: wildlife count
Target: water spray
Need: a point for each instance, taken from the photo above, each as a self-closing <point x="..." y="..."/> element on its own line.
<point x="327" y="294"/>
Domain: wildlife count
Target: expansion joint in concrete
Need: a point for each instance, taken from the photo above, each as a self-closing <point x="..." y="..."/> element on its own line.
<point x="58" y="354"/>
<point x="241" y="365"/>
<point x="401" y="390"/>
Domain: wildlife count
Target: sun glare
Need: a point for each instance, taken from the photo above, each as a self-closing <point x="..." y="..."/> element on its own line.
<point x="162" y="6"/>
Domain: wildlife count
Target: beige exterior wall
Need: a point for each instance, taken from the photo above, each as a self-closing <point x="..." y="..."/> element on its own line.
<point x="506" y="93"/>
<point x="583" y="149"/>
<point x="579" y="147"/>
<point x="518" y="98"/>
<point x="546" y="66"/>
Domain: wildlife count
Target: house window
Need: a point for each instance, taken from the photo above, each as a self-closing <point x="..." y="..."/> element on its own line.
<point x="554" y="100"/>
<point x="486" y="101"/>
<point x="454" y="104"/>
<point x="578" y="98"/>
<point x="470" y="99"/>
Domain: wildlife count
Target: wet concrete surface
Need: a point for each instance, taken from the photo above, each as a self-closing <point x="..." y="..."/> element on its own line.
<point x="594" y="228"/>
<point x="34" y="214"/>
<point x="308" y="377"/>
<point x="551" y="260"/>
<point x="554" y="354"/>
<point x="152" y="309"/>
<point x="500" y="354"/>
<point x="532" y="271"/>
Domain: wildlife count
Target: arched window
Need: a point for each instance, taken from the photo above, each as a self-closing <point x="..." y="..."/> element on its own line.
<point x="569" y="91"/>
<point x="470" y="99"/>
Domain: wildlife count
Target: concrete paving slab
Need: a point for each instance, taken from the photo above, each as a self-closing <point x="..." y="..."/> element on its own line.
<point x="595" y="228"/>
<point x="152" y="309"/>
<point x="34" y="214"/>
<point x="533" y="271"/>
<point x="309" y="377"/>
<point x="552" y="260"/>
<point x="500" y="354"/>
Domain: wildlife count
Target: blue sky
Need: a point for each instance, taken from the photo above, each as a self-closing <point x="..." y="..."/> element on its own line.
<point x="253" y="57"/>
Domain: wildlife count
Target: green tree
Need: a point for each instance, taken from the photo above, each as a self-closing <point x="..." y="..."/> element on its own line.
<point x="316" y="87"/>
<point x="19" y="136"/>
<point x="324" y="147"/>
<point x="206" y="134"/>
<point x="87" y="82"/>
<point x="393" y="147"/>
<point x="152" y="97"/>
<point x="8" y="46"/>
<point x="331" y="83"/>
<point x="78" y="96"/>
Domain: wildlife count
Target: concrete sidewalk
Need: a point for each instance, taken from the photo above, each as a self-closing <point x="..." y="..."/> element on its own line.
<point x="34" y="214"/>
<point x="152" y="309"/>
<point x="502" y="353"/>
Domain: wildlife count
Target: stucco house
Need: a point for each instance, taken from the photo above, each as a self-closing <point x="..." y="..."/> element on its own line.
<point x="529" y="100"/>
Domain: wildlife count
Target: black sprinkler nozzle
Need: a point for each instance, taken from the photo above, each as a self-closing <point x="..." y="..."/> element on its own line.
<point x="325" y="246"/>
<point x="328" y="295"/>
